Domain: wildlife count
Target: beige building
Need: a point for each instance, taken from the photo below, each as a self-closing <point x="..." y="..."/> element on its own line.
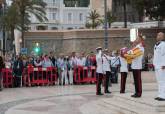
<point x="99" y="5"/>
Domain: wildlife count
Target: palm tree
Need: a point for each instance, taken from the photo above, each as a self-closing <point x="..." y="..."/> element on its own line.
<point x="2" y="26"/>
<point x="94" y="19"/>
<point x="110" y="18"/>
<point x="10" y="21"/>
<point x="25" y="9"/>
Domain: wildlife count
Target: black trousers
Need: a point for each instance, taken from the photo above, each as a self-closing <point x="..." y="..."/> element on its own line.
<point x="123" y="82"/>
<point x="99" y="78"/>
<point x="107" y="81"/>
<point x="114" y="75"/>
<point x="17" y="81"/>
<point x="137" y="81"/>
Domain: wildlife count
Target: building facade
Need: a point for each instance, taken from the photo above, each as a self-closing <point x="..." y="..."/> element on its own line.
<point x="61" y="17"/>
<point x="98" y="5"/>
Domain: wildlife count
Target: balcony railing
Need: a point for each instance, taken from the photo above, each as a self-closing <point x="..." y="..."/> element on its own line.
<point x="151" y="24"/>
<point x="53" y="5"/>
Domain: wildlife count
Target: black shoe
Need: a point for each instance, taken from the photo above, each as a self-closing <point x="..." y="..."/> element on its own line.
<point x="108" y="92"/>
<point x="121" y="92"/>
<point x="135" y="96"/>
<point x="157" y="98"/>
<point x="99" y="94"/>
<point x="161" y="99"/>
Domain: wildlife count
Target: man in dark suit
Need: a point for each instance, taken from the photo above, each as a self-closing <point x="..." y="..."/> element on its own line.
<point x="17" y="70"/>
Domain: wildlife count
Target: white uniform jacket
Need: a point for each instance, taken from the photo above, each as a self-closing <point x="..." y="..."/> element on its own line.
<point x="106" y="63"/>
<point x="159" y="55"/>
<point x="99" y="61"/>
<point x="137" y="62"/>
<point x="124" y="65"/>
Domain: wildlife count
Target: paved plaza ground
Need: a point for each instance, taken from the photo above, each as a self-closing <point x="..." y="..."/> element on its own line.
<point x="81" y="99"/>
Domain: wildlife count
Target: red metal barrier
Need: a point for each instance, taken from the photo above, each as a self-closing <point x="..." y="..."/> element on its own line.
<point x="92" y="76"/>
<point x="78" y="74"/>
<point x="7" y="77"/>
<point x="81" y="74"/>
<point x="53" y="77"/>
<point x="41" y="76"/>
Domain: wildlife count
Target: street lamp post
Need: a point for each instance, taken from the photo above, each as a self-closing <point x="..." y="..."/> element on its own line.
<point x="3" y="28"/>
<point x="105" y="25"/>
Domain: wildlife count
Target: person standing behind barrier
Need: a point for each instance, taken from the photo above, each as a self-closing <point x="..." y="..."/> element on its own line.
<point x="107" y="70"/>
<point x="59" y="62"/>
<point x="38" y="62"/>
<point x="123" y="70"/>
<point x="2" y="65"/>
<point x="83" y="58"/>
<point x="70" y="70"/>
<point x="93" y="59"/>
<point x="159" y="63"/>
<point x="88" y="62"/>
<point x="99" y="70"/>
<point x="64" y="72"/>
<point x="52" y="58"/>
<point x="74" y="59"/>
<point x="115" y="63"/>
<point x="80" y="64"/>
<point x="17" y="70"/>
<point x="47" y="62"/>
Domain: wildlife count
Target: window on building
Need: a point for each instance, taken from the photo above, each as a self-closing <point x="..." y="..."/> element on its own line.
<point x="42" y="27"/>
<point x="50" y="16"/>
<point x="54" y="16"/>
<point x="54" y="2"/>
<point x="69" y="28"/>
<point x="54" y="28"/>
<point x="81" y="17"/>
<point x="69" y="17"/>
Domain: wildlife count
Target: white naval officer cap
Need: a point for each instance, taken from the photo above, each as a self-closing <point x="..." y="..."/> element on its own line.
<point x="105" y="50"/>
<point x="99" y="48"/>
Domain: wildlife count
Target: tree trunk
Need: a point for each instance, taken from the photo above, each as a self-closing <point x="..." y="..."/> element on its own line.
<point x="125" y="13"/>
<point x="22" y="29"/>
<point x="109" y="24"/>
<point x="93" y="24"/>
<point x="12" y="40"/>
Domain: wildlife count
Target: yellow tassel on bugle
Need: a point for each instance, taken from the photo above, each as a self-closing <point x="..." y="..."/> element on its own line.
<point x="132" y="54"/>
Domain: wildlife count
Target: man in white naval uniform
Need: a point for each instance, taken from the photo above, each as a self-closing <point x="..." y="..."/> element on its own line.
<point x="137" y="67"/>
<point x="106" y="70"/>
<point x="159" y="63"/>
<point x="123" y="70"/>
<point x="99" y="70"/>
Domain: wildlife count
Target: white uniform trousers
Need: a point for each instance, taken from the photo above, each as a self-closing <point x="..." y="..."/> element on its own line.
<point x="64" y="76"/>
<point x="70" y="76"/>
<point x="160" y="76"/>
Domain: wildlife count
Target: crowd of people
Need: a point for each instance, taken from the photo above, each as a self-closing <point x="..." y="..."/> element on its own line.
<point x="65" y="64"/>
